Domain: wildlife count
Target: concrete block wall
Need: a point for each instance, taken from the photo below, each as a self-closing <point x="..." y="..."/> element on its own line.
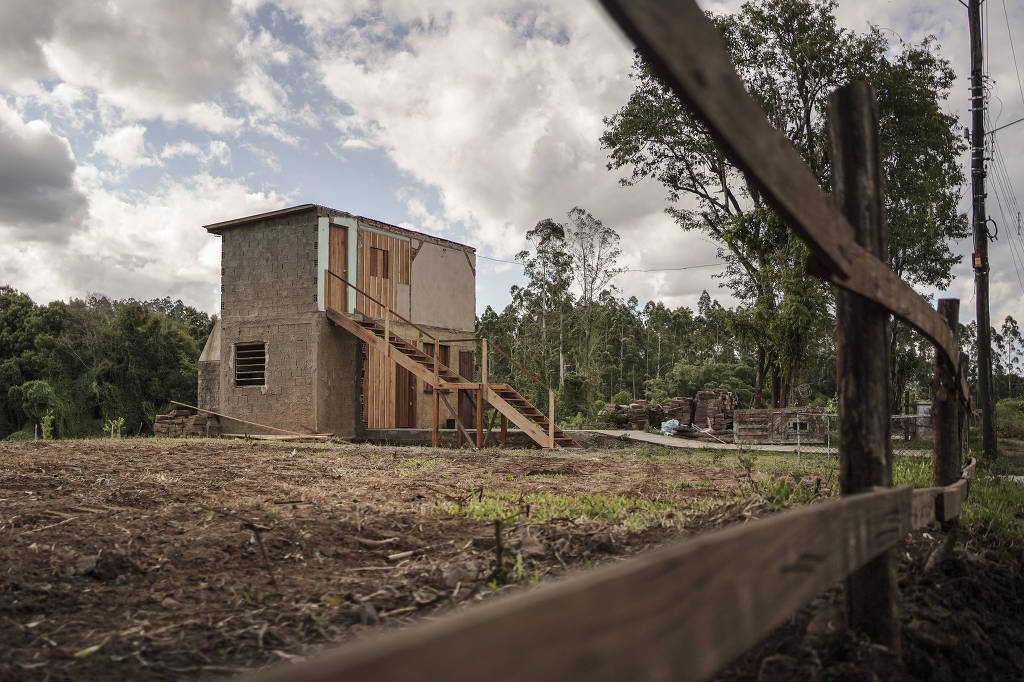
<point x="337" y="391"/>
<point x="286" y="399"/>
<point x="269" y="296"/>
<point x="268" y="268"/>
<point x="209" y="385"/>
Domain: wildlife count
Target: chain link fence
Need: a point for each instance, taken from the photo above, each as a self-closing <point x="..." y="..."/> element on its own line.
<point x="817" y="433"/>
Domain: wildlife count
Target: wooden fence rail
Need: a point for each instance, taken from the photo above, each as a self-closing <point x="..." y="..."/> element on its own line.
<point x="680" y="612"/>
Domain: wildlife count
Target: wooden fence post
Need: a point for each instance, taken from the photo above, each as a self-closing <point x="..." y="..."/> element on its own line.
<point x="480" y="395"/>
<point x="862" y="352"/>
<point x="946" y="406"/>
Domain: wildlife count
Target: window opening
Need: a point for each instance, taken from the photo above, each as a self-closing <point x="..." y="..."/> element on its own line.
<point x="379" y="263"/>
<point x="251" y="364"/>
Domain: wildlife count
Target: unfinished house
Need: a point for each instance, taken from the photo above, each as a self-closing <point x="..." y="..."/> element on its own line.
<point x="331" y="323"/>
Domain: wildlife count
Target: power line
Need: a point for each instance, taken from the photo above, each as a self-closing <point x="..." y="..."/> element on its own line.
<point x="675" y="269"/>
<point x="1013" y="52"/>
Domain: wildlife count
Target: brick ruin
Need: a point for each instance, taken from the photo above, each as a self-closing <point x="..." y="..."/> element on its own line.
<point x="184" y="424"/>
<point x="710" y="413"/>
<point x="714" y="414"/>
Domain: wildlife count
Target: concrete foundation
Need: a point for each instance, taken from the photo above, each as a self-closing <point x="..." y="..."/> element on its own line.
<point x="515" y="439"/>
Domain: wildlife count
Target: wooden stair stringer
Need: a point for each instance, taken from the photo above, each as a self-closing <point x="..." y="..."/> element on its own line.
<point x="381" y="345"/>
<point x="525" y="424"/>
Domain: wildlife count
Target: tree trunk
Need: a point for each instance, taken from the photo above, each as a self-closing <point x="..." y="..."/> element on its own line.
<point x="759" y="378"/>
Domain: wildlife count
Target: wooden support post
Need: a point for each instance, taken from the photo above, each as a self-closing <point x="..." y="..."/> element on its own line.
<point x="504" y="430"/>
<point x="387" y="333"/>
<point x="906" y="414"/>
<point x="946" y="406"/>
<point x="862" y="352"/>
<point x="965" y="410"/>
<point x="434" y="439"/>
<point x="551" y="417"/>
<point x="480" y="397"/>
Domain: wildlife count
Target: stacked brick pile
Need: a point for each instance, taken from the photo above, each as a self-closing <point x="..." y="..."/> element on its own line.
<point x="680" y="409"/>
<point x="184" y="424"/>
<point x="637" y="413"/>
<point x="714" y="407"/>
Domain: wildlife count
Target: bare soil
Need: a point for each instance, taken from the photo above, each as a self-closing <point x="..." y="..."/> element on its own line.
<point x="141" y="559"/>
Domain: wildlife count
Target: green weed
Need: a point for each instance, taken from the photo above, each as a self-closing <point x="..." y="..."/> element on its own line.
<point x="634" y="512"/>
<point x="413" y="465"/>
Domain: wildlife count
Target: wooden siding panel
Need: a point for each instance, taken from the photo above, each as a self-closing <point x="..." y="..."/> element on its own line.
<point x="381" y="376"/>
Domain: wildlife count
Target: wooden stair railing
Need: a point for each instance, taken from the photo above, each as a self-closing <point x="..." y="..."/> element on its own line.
<point x="510" y="403"/>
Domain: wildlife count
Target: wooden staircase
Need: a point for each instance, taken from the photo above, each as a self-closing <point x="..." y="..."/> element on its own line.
<point x="502" y="397"/>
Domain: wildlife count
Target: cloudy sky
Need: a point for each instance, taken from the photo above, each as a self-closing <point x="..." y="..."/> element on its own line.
<point x="127" y="125"/>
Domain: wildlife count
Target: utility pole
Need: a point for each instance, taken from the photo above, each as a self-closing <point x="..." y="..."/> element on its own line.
<point x="980" y="256"/>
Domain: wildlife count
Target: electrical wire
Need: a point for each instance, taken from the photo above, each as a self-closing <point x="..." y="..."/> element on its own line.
<point x="1013" y="52"/>
<point x="674" y="269"/>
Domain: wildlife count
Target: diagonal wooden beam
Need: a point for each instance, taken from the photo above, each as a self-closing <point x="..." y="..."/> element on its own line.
<point x="684" y="48"/>
<point x="458" y="423"/>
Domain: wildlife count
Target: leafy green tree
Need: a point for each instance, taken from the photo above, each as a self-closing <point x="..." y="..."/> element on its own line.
<point x="791" y="54"/>
<point x="548" y="273"/>
<point x="81" y="362"/>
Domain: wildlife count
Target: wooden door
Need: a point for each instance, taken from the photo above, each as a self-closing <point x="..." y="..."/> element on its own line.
<point x="337" y="262"/>
<point x="405" y="398"/>
<point x="467" y="404"/>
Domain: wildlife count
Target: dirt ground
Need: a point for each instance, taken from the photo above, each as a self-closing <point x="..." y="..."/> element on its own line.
<point x="142" y="559"/>
<point x="156" y="559"/>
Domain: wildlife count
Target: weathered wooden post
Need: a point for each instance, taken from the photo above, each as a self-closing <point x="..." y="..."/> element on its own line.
<point x="862" y="352"/>
<point x="480" y="397"/>
<point x="946" y="405"/>
<point x="551" y="418"/>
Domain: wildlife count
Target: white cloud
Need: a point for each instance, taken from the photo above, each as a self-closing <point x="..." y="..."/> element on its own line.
<point x="497" y="106"/>
<point x="39" y="200"/>
<point x="126" y="147"/>
<point x="218" y="151"/>
<point x="143" y="245"/>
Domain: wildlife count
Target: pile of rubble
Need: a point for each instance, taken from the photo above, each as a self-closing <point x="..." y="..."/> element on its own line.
<point x="710" y="413"/>
<point x="714" y="411"/>
<point x="184" y="424"/>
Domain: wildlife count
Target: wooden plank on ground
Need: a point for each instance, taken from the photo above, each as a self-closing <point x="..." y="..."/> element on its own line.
<point x="680" y="612"/>
<point x="684" y="48"/>
<point x="236" y="419"/>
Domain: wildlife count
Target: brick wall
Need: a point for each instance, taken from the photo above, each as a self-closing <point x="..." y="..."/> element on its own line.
<point x="269" y="289"/>
<point x="268" y="268"/>
<point x="337" y="393"/>
<point x="209" y="385"/>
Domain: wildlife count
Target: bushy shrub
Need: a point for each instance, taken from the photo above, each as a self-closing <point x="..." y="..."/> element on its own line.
<point x="1010" y="418"/>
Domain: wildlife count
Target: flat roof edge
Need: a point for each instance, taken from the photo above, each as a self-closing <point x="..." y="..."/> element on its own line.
<point x="217" y="228"/>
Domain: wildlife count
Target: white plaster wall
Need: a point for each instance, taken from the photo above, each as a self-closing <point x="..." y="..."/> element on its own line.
<point x="443" y="291"/>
